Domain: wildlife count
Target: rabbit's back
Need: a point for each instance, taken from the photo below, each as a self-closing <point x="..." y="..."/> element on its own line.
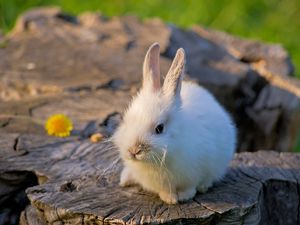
<point x="209" y="135"/>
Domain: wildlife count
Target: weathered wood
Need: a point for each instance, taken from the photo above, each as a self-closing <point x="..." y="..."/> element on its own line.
<point x="87" y="67"/>
<point x="50" y="53"/>
<point x="250" y="79"/>
<point x="82" y="187"/>
<point x="31" y="216"/>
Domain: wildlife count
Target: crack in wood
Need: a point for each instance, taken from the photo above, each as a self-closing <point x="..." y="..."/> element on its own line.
<point x="67" y="18"/>
<point x="298" y="185"/>
<point x="68" y="187"/>
<point x="6" y="123"/>
<point x="15" y="147"/>
<point x="32" y="108"/>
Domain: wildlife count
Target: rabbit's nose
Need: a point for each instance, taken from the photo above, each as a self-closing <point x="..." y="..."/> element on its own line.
<point x="135" y="150"/>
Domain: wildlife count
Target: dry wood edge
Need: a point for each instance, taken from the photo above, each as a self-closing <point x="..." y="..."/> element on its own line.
<point x="79" y="185"/>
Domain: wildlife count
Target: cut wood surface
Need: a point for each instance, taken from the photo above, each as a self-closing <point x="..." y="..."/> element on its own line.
<point x="78" y="184"/>
<point x="87" y="67"/>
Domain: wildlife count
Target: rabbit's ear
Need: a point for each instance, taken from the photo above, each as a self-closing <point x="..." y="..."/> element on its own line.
<point x="151" y="70"/>
<point x="172" y="82"/>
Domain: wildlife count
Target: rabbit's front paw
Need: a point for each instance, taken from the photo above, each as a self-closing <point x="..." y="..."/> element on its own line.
<point x="168" y="197"/>
<point x="126" y="178"/>
<point x="186" y="194"/>
<point x="203" y="187"/>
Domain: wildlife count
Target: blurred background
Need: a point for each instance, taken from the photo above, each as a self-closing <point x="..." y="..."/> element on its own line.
<point x="273" y="21"/>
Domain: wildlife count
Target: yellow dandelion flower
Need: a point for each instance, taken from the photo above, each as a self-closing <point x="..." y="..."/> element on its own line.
<point x="59" y="125"/>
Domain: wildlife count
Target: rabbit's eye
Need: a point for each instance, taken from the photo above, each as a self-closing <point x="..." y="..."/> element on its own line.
<point x="159" y="128"/>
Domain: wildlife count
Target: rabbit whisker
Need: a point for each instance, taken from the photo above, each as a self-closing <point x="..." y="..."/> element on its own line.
<point x="163" y="168"/>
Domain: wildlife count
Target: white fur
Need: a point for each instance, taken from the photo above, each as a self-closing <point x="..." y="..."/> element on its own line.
<point x="194" y="150"/>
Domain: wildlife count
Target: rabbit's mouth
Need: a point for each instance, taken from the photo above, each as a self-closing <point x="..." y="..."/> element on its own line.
<point x="139" y="151"/>
<point x="152" y="156"/>
<point x="148" y="155"/>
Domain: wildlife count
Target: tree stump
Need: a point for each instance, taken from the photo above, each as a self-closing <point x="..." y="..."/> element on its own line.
<point x="87" y="67"/>
<point x="78" y="184"/>
<point x="51" y="53"/>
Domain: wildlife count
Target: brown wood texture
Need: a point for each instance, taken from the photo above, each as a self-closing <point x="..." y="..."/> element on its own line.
<point x="87" y="67"/>
<point x="78" y="184"/>
<point x="51" y="54"/>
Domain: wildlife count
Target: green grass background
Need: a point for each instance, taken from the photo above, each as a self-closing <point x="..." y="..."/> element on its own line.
<point x="273" y="21"/>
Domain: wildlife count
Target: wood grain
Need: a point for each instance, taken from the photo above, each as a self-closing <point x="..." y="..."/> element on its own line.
<point x="51" y="54"/>
<point x="87" y="67"/>
<point x="82" y="187"/>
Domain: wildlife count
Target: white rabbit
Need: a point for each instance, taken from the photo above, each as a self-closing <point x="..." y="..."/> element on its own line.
<point x="175" y="138"/>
